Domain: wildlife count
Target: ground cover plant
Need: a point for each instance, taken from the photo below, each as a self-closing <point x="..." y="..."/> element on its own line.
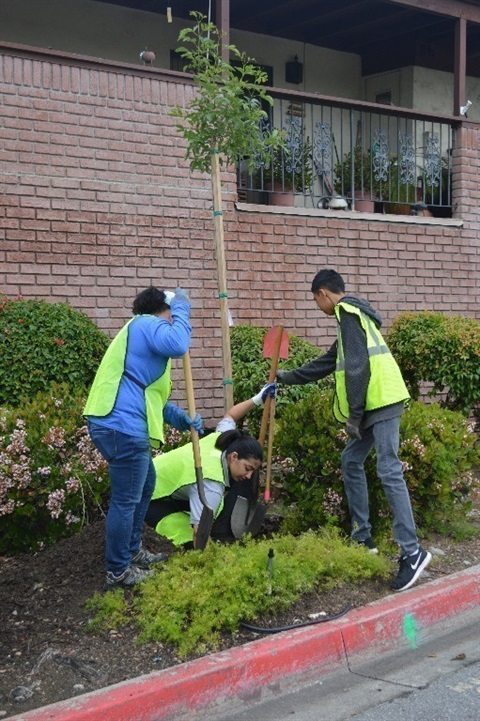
<point x="42" y="343"/>
<point x="199" y="595"/>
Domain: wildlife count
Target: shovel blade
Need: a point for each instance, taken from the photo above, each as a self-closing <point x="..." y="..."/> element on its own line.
<point x="204" y="528"/>
<point x="270" y="340"/>
<point x="247" y="517"/>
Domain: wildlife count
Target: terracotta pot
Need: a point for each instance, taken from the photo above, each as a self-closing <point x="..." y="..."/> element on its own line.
<point x="364" y="206"/>
<point x="281" y="196"/>
<point x="363" y="201"/>
<point x="398" y="208"/>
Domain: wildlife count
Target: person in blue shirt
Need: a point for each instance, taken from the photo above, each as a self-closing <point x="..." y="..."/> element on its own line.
<point x="126" y="408"/>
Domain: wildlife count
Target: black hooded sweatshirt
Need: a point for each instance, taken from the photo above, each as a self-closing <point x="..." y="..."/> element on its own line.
<point x="357" y="366"/>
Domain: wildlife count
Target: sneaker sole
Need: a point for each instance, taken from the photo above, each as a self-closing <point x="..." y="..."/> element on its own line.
<point x="418" y="573"/>
<point x="148" y="566"/>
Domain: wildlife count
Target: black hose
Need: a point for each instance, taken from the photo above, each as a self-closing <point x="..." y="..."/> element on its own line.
<point x="258" y="629"/>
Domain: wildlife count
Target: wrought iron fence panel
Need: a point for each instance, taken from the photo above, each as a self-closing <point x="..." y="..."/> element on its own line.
<point x="341" y="157"/>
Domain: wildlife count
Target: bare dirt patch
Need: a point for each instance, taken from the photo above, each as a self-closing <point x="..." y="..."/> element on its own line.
<point x="46" y="655"/>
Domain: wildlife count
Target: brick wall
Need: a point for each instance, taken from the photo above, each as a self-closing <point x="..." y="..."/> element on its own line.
<point x="97" y="202"/>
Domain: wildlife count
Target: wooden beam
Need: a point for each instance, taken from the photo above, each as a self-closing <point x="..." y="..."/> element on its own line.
<point x="460" y="65"/>
<point x="451" y="8"/>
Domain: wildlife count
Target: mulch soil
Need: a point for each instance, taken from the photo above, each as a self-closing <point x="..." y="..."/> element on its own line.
<point x="46" y="655"/>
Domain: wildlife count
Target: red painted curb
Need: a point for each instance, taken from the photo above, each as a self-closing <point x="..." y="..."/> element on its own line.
<point x="241" y="671"/>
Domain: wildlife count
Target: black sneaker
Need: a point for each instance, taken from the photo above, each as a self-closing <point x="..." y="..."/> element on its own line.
<point x="411" y="568"/>
<point x="368" y="543"/>
<point x="130" y="577"/>
<point x="145" y="559"/>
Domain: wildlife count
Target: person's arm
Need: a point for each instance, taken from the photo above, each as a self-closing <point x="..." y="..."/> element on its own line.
<point x="357" y="365"/>
<point x="172" y="339"/>
<point x="319" y="368"/>
<point x="240" y="410"/>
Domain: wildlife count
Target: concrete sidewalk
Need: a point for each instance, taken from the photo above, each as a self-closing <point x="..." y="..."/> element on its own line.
<point x="277" y="660"/>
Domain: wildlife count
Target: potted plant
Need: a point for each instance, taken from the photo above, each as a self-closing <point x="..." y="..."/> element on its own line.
<point x="398" y="195"/>
<point x="289" y="172"/>
<point x="357" y="169"/>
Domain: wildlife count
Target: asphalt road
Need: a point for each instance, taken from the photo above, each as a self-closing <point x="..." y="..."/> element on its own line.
<point x="437" y="681"/>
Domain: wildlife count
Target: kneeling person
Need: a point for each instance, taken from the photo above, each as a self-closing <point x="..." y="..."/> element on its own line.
<point x="231" y="460"/>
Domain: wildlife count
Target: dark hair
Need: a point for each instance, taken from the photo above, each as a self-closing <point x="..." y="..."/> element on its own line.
<point x="149" y="301"/>
<point x="330" y="280"/>
<point x="240" y="442"/>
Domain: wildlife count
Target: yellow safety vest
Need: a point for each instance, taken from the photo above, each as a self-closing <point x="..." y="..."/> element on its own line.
<point x="386" y="385"/>
<point x="103" y="393"/>
<point x="176" y="469"/>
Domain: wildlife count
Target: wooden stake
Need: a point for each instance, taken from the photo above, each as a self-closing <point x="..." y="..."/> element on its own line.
<point x="222" y="279"/>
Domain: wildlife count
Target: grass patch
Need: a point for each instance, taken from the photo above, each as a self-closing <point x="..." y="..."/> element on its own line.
<point x="196" y="596"/>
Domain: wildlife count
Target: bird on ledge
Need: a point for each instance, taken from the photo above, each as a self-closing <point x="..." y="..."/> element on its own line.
<point x="148" y="56"/>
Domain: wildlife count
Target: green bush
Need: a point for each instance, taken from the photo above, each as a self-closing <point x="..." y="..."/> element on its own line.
<point x="442" y="350"/>
<point x="437" y="451"/>
<point x="52" y="479"/>
<point x="230" y="583"/>
<point x="251" y="369"/>
<point x="43" y="343"/>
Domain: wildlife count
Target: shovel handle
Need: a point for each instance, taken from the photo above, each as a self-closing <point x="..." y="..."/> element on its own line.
<point x="268" y="474"/>
<point x="271" y="378"/>
<point x="187" y="369"/>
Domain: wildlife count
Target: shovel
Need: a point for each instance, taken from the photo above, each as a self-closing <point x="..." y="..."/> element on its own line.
<point x="206" y="519"/>
<point x="275" y="346"/>
<point x="247" y="517"/>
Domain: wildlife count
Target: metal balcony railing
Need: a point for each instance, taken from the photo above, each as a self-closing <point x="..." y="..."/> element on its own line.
<point x="358" y="156"/>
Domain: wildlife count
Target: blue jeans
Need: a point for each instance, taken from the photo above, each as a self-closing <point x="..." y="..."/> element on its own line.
<point x="385" y="437"/>
<point x="132" y="480"/>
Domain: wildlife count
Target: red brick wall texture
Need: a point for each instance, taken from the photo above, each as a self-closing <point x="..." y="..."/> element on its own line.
<point x="97" y="202"/>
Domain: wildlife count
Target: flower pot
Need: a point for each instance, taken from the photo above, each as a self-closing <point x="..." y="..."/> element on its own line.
<point x="364" y="203"/>
<point x="281" y="195"/>
<point x="364" y="206"/>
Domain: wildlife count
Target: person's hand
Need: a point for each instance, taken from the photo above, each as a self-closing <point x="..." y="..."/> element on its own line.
<point x="197" y="423"/>
<point x="280" y="376"/>
<point x="268" y="390"/>
<point x="184" y="422"/>
<point x="169" y="296"/>
<point x="181" y="295"/>
<point x="353" y="429"/>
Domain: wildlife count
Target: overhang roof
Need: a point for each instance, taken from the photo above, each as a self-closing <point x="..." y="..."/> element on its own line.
<point x="386" y="34"/>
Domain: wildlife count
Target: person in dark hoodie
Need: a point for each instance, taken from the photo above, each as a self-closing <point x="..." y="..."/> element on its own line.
<point x="369" y="397"/>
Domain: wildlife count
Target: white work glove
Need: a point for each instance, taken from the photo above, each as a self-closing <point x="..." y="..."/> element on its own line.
<point x="269" y="389"/>
<point x="181" y="295"/>
<point x="169" y="294"/>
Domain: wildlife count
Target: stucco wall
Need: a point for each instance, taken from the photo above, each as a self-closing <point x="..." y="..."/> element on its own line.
<point x="117" y="33"/>
<point x="97" y="203"/>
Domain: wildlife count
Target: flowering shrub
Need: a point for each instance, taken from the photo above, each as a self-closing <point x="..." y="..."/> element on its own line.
<point x="437" y="450"/>
<point x="52" y="479"/>
<point x="41" y="343"/>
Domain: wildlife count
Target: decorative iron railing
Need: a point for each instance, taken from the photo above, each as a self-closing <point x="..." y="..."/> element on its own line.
<point x="359" y="156"/>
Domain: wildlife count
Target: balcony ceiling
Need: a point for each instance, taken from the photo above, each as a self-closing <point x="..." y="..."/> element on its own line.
<point x="386" y="35"/>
